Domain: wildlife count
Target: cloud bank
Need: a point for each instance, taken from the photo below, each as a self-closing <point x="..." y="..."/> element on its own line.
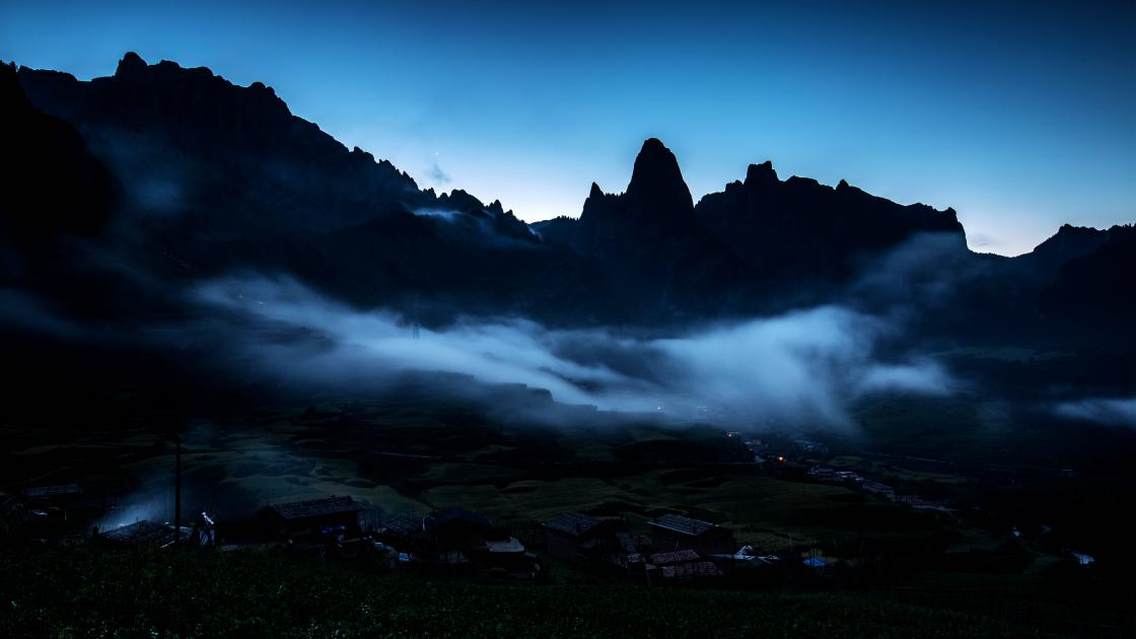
<point x="1110" y="411"/>
<point x="804" y="367"/>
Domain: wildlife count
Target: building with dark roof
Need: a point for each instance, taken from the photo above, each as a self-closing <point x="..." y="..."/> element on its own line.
<point x="673" y="557"/>
<point x="574" y="524"/>
<point x="688" y="571"/>
<point x="314" y="518"/>
<point x="453" y="535"/>
<point x="675" y="532"/>
<point x="53" y="492"/>
<point x="575" y="536"/>
<point x="401" y="527"/>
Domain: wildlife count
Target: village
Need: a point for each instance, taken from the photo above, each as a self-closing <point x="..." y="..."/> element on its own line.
<point x="453" y="542"/>
<point x="667" y="548"/>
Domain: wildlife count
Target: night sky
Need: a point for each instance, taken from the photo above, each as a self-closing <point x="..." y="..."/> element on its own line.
<point x="1020" y="117"/>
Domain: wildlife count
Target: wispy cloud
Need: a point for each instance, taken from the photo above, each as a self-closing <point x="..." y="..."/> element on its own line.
<point x="803" y="366"/>
<point x="1111" y="411"/>
<point x="438" y="176"/>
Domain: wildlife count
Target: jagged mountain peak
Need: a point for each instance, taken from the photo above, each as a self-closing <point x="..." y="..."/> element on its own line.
<point x="130" y="63"/>
<point x="759" y="174"/>
<point x="656" y="180"/>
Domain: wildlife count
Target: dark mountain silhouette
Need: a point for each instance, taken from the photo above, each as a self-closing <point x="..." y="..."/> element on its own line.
<point x="216" y="177"/>
<point x="759" y="237"/>
<point x="799" y="229"/>
<point x="1095" y="286"/>
<point x="232" y="157"/>
<point x="54" y="193"/>
<point x="647" y="240"/>
<point x="50" y="182"/>
<point x="219" y="177"/>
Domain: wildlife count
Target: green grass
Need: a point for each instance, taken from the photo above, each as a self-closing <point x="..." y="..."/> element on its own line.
<point x="87" y="592"/>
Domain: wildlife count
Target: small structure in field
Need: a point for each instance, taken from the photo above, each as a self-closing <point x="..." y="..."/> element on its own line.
<point x="54" y="492"/>
<point x="575" y="536"/>
<point x="507" y="557"/>
<point x="675" y="532"/>
<point x="680" y="565"/>
<point x="675" y="557"/>
<point x="454" y="534"/>
<point x="330" y="516"/>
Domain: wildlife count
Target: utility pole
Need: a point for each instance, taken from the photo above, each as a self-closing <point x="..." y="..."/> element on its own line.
<point x="177" y="489"/>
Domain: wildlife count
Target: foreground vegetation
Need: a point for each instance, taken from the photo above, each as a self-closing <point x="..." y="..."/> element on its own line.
<point x="90" y="591"/>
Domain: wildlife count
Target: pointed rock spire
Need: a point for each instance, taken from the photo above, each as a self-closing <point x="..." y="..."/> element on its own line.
<point x="131" y="63"/>
<point x="657" y="180"/>
<point x="761" y="174"/>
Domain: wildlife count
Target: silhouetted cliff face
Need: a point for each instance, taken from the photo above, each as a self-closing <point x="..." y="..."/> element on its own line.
<point x="233" y="157"/>
<point x="736" y="248"/>
<point x="648" y="241"/>
<point x="1097" y="286"/>
<point x="799" y="229"/>
<point x="1068" y="243"/>
<point x="219" y="176"/>
<point x="656" y="207"/>
<point x="49" y="182"/>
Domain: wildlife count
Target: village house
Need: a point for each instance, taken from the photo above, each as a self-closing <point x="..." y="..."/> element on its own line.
<point x="404" y="529"/>
<point x="52" y="493"/>
<point x="680" y="565"/>
<point x="574" y="536"/>
<point x="330" y="516"/>
<point x="675" y="532"/>
<point x="507" y="556"/>
<point x="455" y="538"/>
<point x="53" y="503"/>
<point x="453" y="534"/>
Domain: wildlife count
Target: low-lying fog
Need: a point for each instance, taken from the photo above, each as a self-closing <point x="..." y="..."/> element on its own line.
<point x="805" y="365"/>
<point x="808" y="366"/>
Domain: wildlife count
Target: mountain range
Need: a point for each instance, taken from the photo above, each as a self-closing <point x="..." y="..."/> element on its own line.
<point x="122" y="190"/>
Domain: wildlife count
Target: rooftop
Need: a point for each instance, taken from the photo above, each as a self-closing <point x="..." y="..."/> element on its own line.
<point x="572" y="523"/>
<point x="677" y="557"/>
<point x="316" y="507"/>
<point x="52" y="491"/>
<point x="682" y="525"/>
<point x="403" y="524"/>
<point x="691" y="570"/>
<point x="508" y="546"/>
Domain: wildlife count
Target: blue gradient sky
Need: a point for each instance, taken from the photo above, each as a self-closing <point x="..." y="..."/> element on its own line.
<point x="1020" y="117"/>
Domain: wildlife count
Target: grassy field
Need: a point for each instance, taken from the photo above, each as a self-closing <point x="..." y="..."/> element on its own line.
<point x="82" y="592"/>
<point x="399" y="460"/>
